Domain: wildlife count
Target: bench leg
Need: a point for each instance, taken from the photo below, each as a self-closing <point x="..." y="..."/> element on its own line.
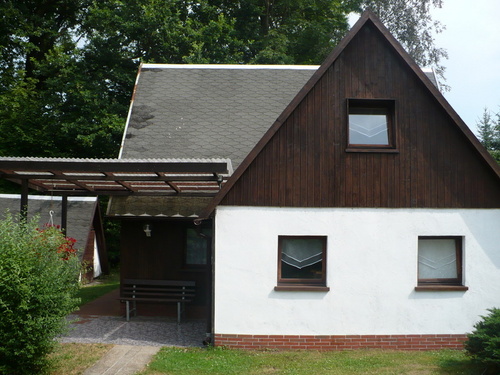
<point x="134" y="309"/>
<point x="179" y="312"/>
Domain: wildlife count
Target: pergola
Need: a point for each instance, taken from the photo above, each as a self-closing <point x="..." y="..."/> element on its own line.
<point x="114" y="177"/>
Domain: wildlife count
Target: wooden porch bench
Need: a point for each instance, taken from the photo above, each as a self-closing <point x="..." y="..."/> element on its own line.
<point x="160" y="291"/>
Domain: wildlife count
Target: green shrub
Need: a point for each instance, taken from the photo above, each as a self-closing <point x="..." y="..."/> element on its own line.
<point x="38" y="280"/>
<point x="483" y="344"/>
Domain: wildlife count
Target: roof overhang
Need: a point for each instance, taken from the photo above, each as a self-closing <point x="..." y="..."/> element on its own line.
<point x="154" y="177"/>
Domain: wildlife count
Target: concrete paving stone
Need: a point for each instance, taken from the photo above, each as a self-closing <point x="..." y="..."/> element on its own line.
<point x="148" y="331"/>
<point x="123" y="360"/>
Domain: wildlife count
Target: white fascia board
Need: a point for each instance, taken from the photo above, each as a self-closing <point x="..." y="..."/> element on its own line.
<point x="48" y="198"/>
<point x="129" y="114"/>
<point x="228" y="66"/>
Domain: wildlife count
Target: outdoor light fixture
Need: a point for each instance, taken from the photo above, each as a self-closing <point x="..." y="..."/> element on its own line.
<point x="147" y="230"/>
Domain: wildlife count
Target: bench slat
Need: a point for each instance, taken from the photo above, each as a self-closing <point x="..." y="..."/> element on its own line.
<point x="152" y="299"/>
<point x="154" y="290"/>
<point x="159" y="282"/>
<point x="178" y="291"/>
<point x="162" y="296"/>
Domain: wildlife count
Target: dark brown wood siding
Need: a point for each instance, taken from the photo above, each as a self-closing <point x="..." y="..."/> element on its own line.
<point x="161" y="256"/>
<point x="305" y="164"/>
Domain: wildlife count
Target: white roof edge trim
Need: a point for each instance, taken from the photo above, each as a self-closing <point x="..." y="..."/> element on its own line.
<point x="229" y="66"/>
<point x="48" y="198"/>
<point x="104" y="160"/>
<point x="129" y="113"/>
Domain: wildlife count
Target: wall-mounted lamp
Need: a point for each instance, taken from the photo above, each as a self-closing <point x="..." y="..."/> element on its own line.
<point x="147" y="230"/>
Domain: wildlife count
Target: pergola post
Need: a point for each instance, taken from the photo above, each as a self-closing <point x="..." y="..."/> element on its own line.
<point x="23" y="212"/>
<point x="64" y="213"/>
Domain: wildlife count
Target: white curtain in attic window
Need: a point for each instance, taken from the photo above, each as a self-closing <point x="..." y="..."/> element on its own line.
<point x="368" y="129"/>
<point x="437" y="259"/>
<point x="301" y="252"/>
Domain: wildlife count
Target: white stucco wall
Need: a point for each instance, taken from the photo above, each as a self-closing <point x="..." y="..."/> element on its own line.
<point x="371" y="271"/>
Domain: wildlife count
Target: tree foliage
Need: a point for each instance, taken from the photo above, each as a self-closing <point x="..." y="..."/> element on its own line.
<point x="53" y="102"/>
<point x="483" y="344"/>
<point x="410" y="21"/>
<point x="38" y="280"/>
<point x="288" y="31"/>
<point x="489" y="132"/>
<point x="67" y="67"/>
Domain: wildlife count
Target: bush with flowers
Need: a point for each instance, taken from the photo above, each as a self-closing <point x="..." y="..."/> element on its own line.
<point x="39" y="271"/>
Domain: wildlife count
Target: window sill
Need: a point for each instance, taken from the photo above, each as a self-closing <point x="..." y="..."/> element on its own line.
<point x="373" y="150"/>
<point x="301" y="288"/>
<point x="441" y="288"/>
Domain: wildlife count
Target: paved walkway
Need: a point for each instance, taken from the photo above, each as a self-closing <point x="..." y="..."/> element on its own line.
<point x="123" y="360"/>
<point x="135" y="341"/>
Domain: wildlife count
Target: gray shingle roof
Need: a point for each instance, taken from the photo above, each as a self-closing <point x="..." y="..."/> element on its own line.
<point x="207" y="111"/>
<point x="431" y="74"/>
<point x="80" y="213"/>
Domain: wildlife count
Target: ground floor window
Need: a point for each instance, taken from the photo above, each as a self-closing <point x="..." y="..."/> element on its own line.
<point x="197" y="243"/>
<point x="440" y="260"/>
<point x="302" y="260"/>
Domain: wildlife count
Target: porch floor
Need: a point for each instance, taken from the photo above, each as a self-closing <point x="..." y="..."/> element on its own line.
<point x="102" y="321"/>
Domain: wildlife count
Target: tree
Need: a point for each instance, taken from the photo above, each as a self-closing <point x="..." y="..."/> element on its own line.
<point x="489" y="132"/>
<point x="49" y="103"/>
<point x="38" y="281"/>
<point x="486" y="129"/>
<point x="288" y="31"/>
<point x="410" y="21"/>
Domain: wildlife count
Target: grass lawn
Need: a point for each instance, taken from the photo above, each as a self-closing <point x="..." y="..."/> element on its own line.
<point x="184" y="361"/>
<point x="99" y="288"/>
<point x="73" y="359"/>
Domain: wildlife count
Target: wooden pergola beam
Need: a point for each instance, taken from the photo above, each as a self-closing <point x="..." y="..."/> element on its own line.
<point x="112" y="165"/>
<point x="193" y="177"/>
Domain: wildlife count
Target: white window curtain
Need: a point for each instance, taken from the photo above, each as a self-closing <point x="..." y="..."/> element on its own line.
<point x="437" y="259"/>
<point x="301" y="252"/>
<point x="368" y="126"/>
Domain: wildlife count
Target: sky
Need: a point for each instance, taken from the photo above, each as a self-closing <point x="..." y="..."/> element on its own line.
<point x="472" y="39"/>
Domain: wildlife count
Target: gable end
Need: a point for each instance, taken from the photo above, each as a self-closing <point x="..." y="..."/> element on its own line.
<point x="303" y="160"/>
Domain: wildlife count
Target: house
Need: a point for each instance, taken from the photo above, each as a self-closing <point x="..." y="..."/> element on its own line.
<point x="83" y="224"/>
<point x="362" y="212"/>
<point x="200" y="112"/>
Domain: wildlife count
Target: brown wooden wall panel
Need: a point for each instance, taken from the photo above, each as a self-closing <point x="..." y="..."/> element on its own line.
<point x="159" y="257"/>
<point x="305" y="164"/>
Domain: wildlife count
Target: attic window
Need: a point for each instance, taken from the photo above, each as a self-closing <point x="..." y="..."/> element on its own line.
<point x="371" y="125"/>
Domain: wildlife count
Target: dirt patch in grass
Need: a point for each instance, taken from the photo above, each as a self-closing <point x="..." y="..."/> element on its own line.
<point x="74" y="359"/>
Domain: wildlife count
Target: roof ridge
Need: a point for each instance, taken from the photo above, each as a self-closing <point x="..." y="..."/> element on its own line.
<point x="229" y="66"/>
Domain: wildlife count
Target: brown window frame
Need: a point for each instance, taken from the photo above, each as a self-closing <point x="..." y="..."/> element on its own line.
<point x="444" y="283"/>
<point x="389" y="105"/>
<point x="302" y="284"/>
